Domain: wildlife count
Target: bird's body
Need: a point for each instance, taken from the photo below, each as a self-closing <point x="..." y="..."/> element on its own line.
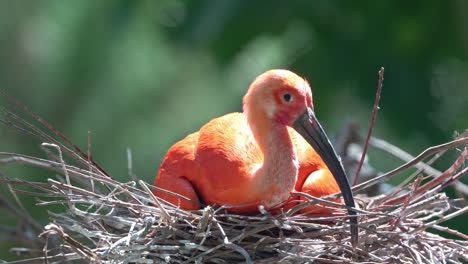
<point x="258" y="157"/>
<point x="236" y="162"/>
<point x="221" y="160"/>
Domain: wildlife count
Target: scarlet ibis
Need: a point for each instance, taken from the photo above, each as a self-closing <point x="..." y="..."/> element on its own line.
<point x="258" y="157"/>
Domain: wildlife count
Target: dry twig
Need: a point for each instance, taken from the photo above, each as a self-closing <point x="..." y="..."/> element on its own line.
<point x="107" y="221"/>
<point x="121" y="226"/>
<point x="371" y="124"/>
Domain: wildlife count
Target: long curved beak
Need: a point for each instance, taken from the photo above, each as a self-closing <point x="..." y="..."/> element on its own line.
<point x="309" y="127"/>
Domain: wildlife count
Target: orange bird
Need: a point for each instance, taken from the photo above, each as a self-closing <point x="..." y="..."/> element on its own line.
<point x="258" y="157"/>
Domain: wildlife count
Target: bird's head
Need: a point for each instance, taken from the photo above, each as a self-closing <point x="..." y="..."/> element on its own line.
<point x="281" y="95"/>
<point x="284" y="97"/>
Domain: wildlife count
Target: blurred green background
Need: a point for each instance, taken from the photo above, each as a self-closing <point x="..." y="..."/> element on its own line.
<point x="143" y="74"/>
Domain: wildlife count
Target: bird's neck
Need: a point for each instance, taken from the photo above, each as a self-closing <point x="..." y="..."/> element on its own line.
<point x="278" y="173"/>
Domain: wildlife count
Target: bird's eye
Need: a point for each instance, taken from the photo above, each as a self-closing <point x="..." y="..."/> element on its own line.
<point x="287" y="97"/>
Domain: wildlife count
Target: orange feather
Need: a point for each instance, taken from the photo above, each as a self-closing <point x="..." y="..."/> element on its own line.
<point x="252" y="158"/>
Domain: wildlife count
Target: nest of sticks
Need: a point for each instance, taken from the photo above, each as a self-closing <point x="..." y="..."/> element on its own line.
<point x="107" y="221"/>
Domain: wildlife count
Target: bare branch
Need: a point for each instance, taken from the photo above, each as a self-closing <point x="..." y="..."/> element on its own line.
<point x="371" y="124"/>
<point x="423" y="155"/>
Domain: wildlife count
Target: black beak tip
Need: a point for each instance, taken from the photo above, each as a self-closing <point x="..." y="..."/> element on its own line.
<point x="354" y="235"/>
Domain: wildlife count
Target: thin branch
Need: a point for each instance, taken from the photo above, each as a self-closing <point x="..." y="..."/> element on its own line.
<point x="21" y="214"/>
<point x="131" y="174"/>
<point x="165" y="214"/>
<point x="440" y="220"/>
<point x="41" y="135"/>
<point x="371" y="124"/>
<point x="62" y="162"/>
<point x="90" y="167"/>
<point x="403" y="155"/>
<point x="125" y="224"/>
<point x="50" y="127"/>
<point x="423" y="155"/>
<point x="438" y="180"/>
<point x="450" y="231"/>
<point x="460" y="188"/>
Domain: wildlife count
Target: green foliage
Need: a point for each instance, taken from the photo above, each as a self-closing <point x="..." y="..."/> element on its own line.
<point x="143" y="74"/>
